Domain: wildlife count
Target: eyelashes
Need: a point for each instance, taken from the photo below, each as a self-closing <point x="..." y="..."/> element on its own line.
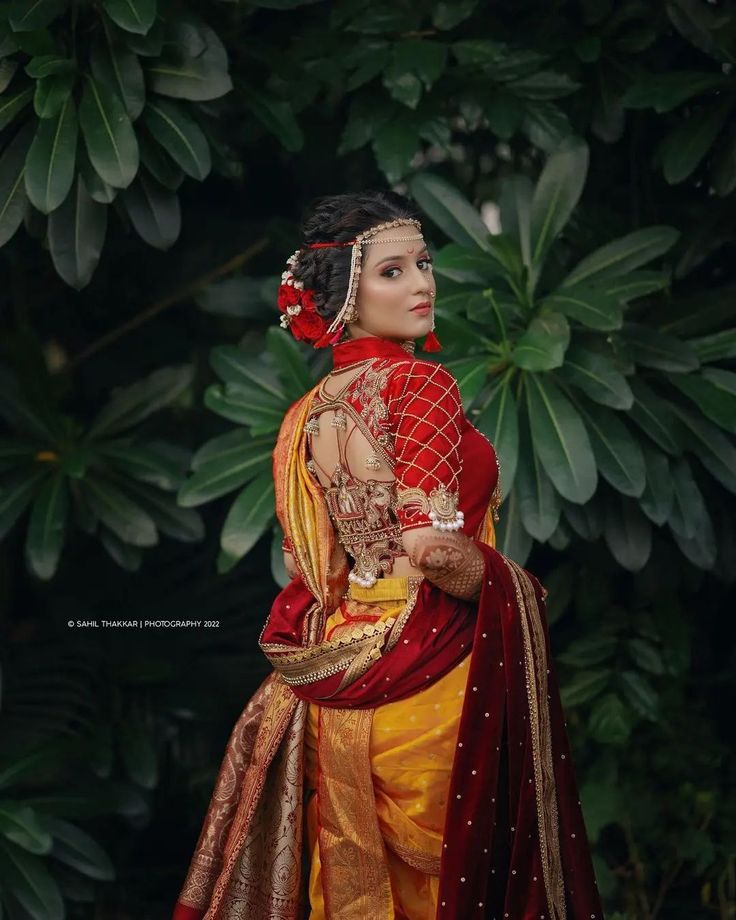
<point x="395" y="268"/>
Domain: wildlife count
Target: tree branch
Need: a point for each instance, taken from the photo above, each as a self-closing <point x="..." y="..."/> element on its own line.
<point x="179" y="294"/>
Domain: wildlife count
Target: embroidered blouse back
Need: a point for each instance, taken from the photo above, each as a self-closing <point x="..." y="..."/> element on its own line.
<point x="350" y="456"/>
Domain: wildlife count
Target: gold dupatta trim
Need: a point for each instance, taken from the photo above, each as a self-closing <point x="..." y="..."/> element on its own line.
<point x="302" y="510"/>
<point x="541" y="735"/>
<point x="355" y="876"/>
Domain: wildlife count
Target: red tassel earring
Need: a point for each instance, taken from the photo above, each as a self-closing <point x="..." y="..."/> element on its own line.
<point x="432" y="343"/>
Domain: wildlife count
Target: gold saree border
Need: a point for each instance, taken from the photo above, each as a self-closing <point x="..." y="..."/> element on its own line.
<point x="208" y="854"/>
<point x="355" y="875"/>
<point x="535" y="660"/>
<point x="261" y="872"/>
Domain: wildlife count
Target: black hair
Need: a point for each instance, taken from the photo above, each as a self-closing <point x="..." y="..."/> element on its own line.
<point x="339" y="218"/>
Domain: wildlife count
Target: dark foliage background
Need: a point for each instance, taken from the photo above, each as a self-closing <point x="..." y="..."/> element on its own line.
<point x="576" y="162"/>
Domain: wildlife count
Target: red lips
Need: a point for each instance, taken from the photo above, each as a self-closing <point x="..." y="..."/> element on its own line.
<point x="424" y="305"/>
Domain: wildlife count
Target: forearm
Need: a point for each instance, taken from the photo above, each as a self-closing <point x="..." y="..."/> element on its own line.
<point x="452" y="561"/>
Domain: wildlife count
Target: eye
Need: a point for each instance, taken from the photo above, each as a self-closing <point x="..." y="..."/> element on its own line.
<point x="426" y="264"/>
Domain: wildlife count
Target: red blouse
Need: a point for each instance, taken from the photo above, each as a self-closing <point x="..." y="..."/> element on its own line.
<point x="413" y="409"/>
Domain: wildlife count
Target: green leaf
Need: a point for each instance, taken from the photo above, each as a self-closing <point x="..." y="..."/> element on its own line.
<point x="223" y="465"/>
<point x="276" y="116"/>
<point x="561" y="440"/>
<point x="124" y="517"/>
<point x="617" y="453"/>
<point x="623" y="255"/>
<point x="12" y="187"/>
<point x="27" y="15"/>
<point x="585" y="686"/>
<point x="610" y="721"/>
<point x="720" y="346"/>
<point x="589" y="650"/>
<point x="713" y="448"/>
<point x="516" y="213"/>
<point x="77" y="849"/>
<point x="195" y="79"/>
<point x="132" y="15"/>
<point x="108" y="134"/>
<point x="178" y="523"/>
<point x="163" y="169"/>
<point x="126" y="556"/>
<point x="539" y="503"/>
<point x="142" y="462"/>
<point x="44" y="65"/>
<point x="655" y="417"/>
<point x="11" y="105"/>
<point x="21" y="825"/>
<point x="394" y="144"/>
<point x="31" y="884"/>
<point x="115" y="65"/>
<point x="640" y="694"/>
<point x="656" y="500"/>
<point x="98" y="189"/>
<point x="664" y="91"/>
<point x="471" y="374"/>
<point x="545" y="84"/>
<point x="233" y="365"/>
<point x="154" y="211"/>
<point x="452" y="213"/>
<point x="16" y="495"/>
<point x="290" y="361"/>
<point x="546" y="125"/>
<point x="713" y="391"/>
<point x="133" y="403"/>
<point x="542" y="347"/>
<point x="180" y="136"/>
<point x="587" y="304"/>
<point x="249" y="517"/>
<point x="498" y="420"/>
<point x="246" y="405"/>
<point x="76" y="233"/>
<point x="652" y="348"/>
<point x="684" y="147"/>
<point x="51" y="94"/>
<point x="646" y="656"/>
<point x="51" y="159"/>
<point x="628" y="533"/>
<point x="504" y="111"/>
<point x="512" y="539"/>
<point x="556" y="194"/>
<point x="47" y="526"/>
<point x="689" y="514"/>
<point x="586" y="520"/>
<point x="597" y="376"/>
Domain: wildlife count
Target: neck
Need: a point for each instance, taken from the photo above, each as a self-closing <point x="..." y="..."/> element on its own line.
<point x="370" y="346"/>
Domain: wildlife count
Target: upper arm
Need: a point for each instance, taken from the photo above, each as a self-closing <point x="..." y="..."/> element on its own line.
<point x="428" y="418"/>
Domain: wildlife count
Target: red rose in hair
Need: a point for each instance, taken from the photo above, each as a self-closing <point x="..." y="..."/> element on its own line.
<point x="307" y="326"/>
<point x="288" y="296"/>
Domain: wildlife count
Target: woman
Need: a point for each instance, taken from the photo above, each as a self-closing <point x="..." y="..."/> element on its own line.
<point x="407" y="757"/>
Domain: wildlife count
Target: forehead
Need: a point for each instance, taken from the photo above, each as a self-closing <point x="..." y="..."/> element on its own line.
<point x="383" y="247"/>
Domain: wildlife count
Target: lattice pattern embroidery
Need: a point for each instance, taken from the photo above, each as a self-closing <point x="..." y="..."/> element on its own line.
<point x="424" y="402"/>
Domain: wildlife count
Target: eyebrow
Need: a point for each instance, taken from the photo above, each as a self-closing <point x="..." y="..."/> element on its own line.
<point x="399" y="257"/>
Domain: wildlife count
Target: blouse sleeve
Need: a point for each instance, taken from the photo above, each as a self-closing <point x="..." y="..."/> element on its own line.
<point x="427" y="418"/>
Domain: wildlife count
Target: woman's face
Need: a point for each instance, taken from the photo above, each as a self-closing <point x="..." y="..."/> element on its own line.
<point x="395" y="292"/>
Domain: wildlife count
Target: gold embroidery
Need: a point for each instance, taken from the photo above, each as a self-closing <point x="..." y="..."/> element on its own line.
<point x="425" y="862"/>
<point x="364" y="516"/>
<point x="541" y="735"/>
<point x="355" y="877"/>
<point x="440" y="506"/>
